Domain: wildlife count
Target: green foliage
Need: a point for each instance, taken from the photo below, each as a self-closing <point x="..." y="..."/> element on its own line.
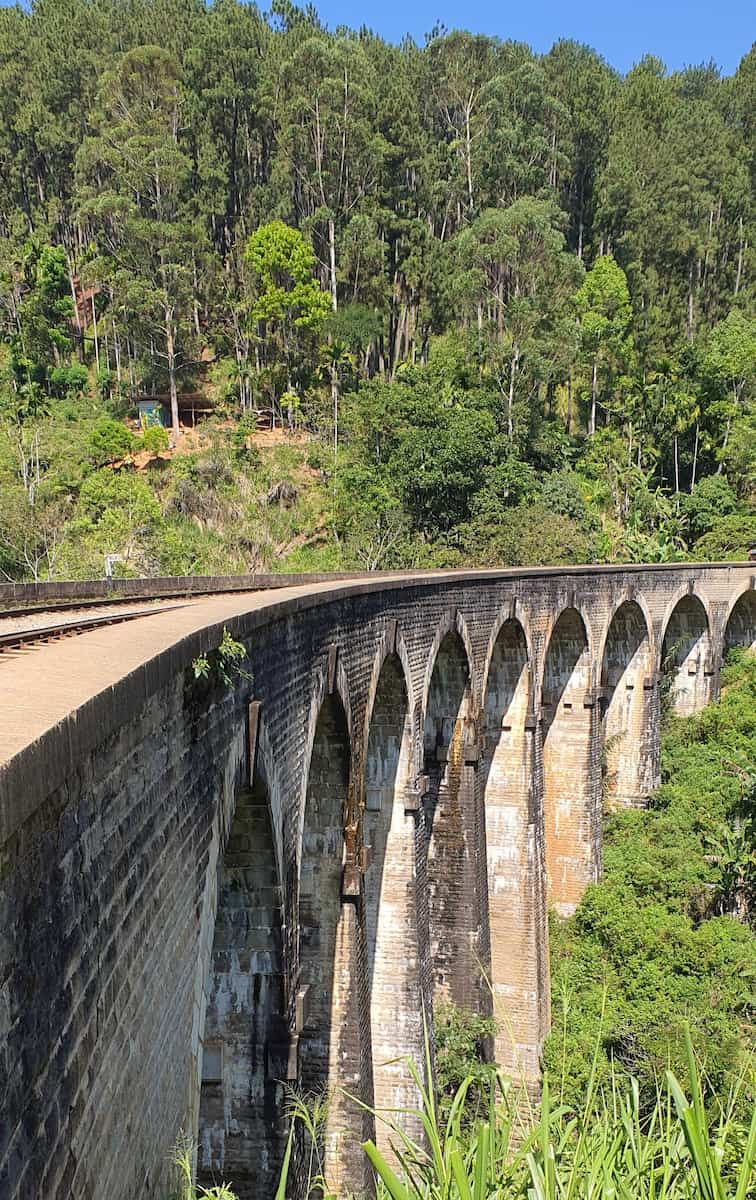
<point x="728" y="539"/>
<point x="223" y="663"/>
<point x="610" y="1147"/>
<point x="462" y="1042"/>
<point x="655" y="943"/>
<point x="187" y="1190"/>
<point x="478" y="278"/>
<point x="109" y="440"/>
<point x="710" y="500"/>
<point x="154" y="439"/>
<point x="285" y="292"/>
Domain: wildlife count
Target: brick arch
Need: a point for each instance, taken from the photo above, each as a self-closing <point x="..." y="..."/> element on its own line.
<point x="515" y="912"/>
<point x="331" y="1031"/>
<point x="453" y="622"/>
<point x="628" y="702"/>
<point x="390" y="646"/>
<point x="627" y="596"/>
<point x="571" y="831"/>
<point x="318" y="697"/>
<point x="448" y="886"/>
<point x="555" y="617"/>
<point x="245" y="1035"/>
<point x="389" y="895"/>
<point x="507" y="613"/>
<point x="740" y="623"/>
<point x="686" y="653"/>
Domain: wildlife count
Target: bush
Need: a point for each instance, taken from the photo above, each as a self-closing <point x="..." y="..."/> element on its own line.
<point x="154" y="439"/>
<point x="68" y="381"/>
<point x="527" y="535"/>
<point x="109" y="440"/>
<point x="462" y="1041"/>
<point x="727" y="540"/>
<point x="711" y="500"/>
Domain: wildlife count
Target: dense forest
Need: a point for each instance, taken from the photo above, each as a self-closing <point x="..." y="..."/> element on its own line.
<point x="498" y="307"/>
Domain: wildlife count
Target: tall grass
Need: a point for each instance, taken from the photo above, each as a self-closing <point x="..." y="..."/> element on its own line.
<point x="610" y="1150"/>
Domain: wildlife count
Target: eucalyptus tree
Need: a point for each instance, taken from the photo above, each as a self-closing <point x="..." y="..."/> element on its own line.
<point x="329" y="153"/>
<point x="605" y="316"/>
<point x="133" y="178"/>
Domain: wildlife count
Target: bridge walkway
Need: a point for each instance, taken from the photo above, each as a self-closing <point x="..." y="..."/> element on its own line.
<point x="42" y="684"/>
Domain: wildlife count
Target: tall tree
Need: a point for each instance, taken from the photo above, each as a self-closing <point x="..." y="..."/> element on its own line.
<point x="133" y="177"/>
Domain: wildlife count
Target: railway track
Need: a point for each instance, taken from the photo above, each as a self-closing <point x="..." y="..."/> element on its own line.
<point x="18" y="639"/>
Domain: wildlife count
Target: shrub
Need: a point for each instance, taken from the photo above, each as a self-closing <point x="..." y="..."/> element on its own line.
<point x="109" y="440"/>
<point x="155" y="438"/>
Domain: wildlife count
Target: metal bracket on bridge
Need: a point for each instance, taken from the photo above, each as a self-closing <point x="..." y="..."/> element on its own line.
<point x="350" y="881"/>
<point x="253" y="721"/>
<point x="414" y="794"/>
<point x="391" y="631"/>
<point x="333" y="658"/>
<point x="301" y="1008"/>
<point x="472" y="744"/>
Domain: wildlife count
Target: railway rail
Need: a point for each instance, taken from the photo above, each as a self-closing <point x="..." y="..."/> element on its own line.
<point x="25" y="599"/>
<point x="18" y="639"/>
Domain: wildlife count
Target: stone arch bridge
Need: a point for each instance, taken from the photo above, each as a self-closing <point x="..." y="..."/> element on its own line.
<point x="209" y="890"/>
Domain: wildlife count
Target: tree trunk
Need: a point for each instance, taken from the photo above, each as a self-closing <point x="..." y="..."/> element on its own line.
<point x="117" y="352"/>
<point x="695" y="457"/>
<point x="94" y="331"/>
<point x="77" y="319"/>
<point x="690" y="302"/>
<point x="741" y="250"/>
<point x="332" y="261"/>
<point x="170" y="352"/>
<point x="335" y="400"/>
<point x="510" y="396"/>
<point x="594" y="398"/>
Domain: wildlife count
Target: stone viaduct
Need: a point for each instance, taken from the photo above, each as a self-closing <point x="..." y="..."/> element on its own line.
<point x="208" y="890"/>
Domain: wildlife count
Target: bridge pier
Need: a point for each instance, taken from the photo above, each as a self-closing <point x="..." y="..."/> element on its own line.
<point x="389" y="826"/>
<point x="451" y="903"/>
<point x="570" y="767"/>
<point x="242" y="1057"/>
<point x="630" y="721"/>
<point x="515" y="908"/>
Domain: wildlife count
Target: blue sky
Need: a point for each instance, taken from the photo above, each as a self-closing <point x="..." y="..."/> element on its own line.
<point x="678" y="32"/>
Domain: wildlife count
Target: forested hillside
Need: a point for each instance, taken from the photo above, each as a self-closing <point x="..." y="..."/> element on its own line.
<point x="499" y="307"/>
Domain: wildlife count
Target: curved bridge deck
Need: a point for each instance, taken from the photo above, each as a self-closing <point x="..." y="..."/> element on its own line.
<point x="208" y="890"/>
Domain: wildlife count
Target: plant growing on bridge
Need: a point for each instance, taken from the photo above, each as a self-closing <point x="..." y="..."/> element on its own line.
<point x="224" y="662"/>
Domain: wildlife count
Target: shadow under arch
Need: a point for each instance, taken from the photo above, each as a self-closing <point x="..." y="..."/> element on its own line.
<point x="390" y="902"/>
<point x="740" y="627"/>
<point x="571" y="820"/>
<point x="517" y="974"/>
<point x="447" y="880"/>
<point x="686" y="658"/>
<point x="245" y="1035"/>
<point x="629" y="717"/>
